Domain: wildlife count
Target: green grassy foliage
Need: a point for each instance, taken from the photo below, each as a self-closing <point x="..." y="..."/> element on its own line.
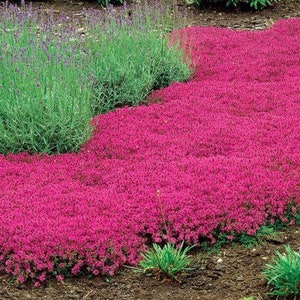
<point x="283" y="274"/>
<point x="167" y="260"/>
<point x="44" y="103"/>
<point x="251" y="4"/>
<point x="132" y="57"/>
<point x="55" y="79"/>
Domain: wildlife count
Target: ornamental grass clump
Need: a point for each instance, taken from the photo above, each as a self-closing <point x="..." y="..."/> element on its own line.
<point x="166" y="261"/>
<point x="283" y="274"/>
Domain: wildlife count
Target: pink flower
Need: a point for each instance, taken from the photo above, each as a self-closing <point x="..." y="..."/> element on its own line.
<point x="42" y="277"/>
<point x="96" y="272"/>
<point x="59" y="277"/>
<point x="21" y="278"/>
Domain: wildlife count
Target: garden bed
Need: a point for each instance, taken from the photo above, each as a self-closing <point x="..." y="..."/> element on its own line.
<point x="220" y="149"/>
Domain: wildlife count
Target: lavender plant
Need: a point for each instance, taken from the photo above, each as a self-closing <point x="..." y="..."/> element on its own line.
<point x="54" y="79"/>
<point x="132" y="56"/>
<point x="45" y="105"/>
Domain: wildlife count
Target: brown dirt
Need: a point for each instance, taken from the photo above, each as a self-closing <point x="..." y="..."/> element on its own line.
<point x="233" y="272"/>
<point x="211" y="16"/>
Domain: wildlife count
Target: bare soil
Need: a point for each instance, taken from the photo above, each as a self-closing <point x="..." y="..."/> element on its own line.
<point x="231" y="273"/>
<point x="217" y="16"/>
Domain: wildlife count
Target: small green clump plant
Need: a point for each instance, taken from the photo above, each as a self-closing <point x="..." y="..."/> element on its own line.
<point x="252" y="4"/>
<point x="283" y="275"/>
<point x="264" y="232"/>
<point x="166" y="261"/>
<point x="110" y="2"/>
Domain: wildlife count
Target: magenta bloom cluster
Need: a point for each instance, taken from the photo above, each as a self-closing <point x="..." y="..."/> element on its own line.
<point x="218" y="153"/>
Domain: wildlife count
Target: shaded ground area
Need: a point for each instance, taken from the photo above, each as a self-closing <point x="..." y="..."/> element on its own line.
<point x="232" y="273"/>
<point x="211" y="16"/>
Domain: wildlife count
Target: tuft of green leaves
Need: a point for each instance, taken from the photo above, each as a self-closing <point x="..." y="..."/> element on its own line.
<point x="106" y="3"/>
<point x="252" y="4"/>
<point x="246" y="240"/>
<point x="256" y="4"/>
<point x="266" y="231"/>
<point x="166" y="261"/>
<point x="283" y="274"/>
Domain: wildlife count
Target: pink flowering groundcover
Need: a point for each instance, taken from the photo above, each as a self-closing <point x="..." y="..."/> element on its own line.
<point x="220" y="153"/>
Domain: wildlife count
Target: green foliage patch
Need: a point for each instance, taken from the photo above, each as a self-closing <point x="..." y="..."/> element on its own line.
<point x="54" y="77"/>
<point x="44" y="104"/>
<point x="132" y="57"/>
<point x="251" y="4"/>
<point x="283" y="274"/>
<point x="167" y="260"/>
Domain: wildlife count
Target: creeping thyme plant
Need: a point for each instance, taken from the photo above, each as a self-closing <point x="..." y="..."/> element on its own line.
<point x="222" y="148"/>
